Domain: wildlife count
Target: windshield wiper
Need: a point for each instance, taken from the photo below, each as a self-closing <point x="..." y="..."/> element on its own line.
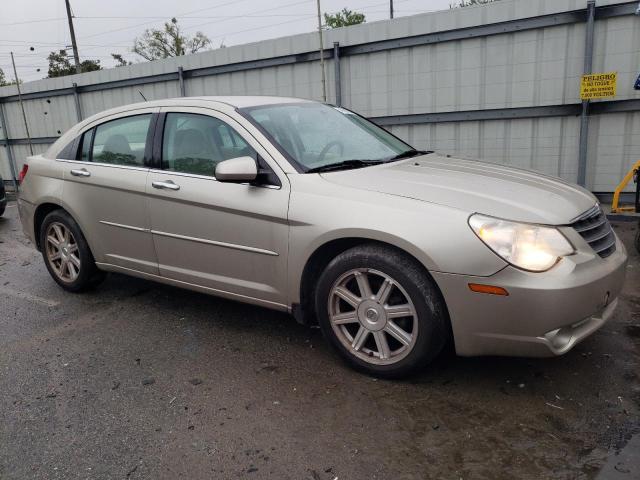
<point x="409" y="154"/>
<point x="344" y="165"/>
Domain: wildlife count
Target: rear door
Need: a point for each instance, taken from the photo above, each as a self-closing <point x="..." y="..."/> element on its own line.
<point x="105" y="189"/>
<point x="228" y="237"/>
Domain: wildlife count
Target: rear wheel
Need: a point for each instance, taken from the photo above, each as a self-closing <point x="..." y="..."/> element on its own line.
<point x="66" y="253"/>
<point x="381" y="311"/>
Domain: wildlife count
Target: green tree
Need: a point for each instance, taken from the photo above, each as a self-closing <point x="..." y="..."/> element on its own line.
<point x="60" y="66"/>
<point x="120" y="61"/>
<point x="4" y="82"/>
<point x="168" y="42"/>
<point x="343" y="18"/>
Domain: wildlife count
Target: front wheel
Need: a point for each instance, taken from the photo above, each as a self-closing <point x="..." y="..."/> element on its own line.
<point x="381" y="311"/>
<point x="67" y="254"/>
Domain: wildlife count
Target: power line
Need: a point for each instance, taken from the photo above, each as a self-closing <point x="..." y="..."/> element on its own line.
<point x="191" y="27"/>
<point x="235" y="32"/>
<point x="18" y="43"/>
<point x="165" y="17"/>
<point x="239" y="16"/>
<point x="149" y="23"/>
<point x="32" y="21"/>
<point x="222" y="18"/>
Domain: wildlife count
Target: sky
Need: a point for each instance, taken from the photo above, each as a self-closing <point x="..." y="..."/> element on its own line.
<point x="110" y="26"/>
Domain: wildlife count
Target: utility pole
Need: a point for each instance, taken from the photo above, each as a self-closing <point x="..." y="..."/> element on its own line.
<point x="390" y="8"/>
<point x="324" y="82"/>
<point x="74" y="45"/>
<point x="24" y="115"/>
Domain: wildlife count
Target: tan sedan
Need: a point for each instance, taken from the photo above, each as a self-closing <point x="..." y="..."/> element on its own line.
<point x="311" y="209"/>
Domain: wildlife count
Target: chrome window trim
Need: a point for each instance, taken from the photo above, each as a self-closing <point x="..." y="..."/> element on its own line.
<point x="100" y="164"/>
<point x="206" y="177"/>
<point x="164" y="172"/>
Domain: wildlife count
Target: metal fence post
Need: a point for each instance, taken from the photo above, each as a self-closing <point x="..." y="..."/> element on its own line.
<point x="584" y="116"/>
<point x="76" y="99"/>
<point x="12" y="163"/>
<point x="336" y="68"/>
<point x="181" y="81"/>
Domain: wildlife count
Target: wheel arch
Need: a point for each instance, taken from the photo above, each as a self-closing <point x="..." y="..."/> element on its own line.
<point x="304" y="312"/>
<point x="45" y="208"/>
<point x="39" y="215"/>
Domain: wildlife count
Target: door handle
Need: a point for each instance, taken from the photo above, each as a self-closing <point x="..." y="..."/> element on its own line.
<point x="168" y="185"/>
<point x="81" y="173"/>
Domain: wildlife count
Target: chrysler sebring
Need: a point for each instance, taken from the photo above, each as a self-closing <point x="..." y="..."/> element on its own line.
<point x="312" y="209"/>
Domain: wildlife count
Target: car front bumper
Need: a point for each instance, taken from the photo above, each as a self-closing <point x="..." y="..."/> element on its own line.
<point x="545" y="314"/>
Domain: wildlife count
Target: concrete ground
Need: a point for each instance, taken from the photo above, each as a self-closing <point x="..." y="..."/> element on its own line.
<point x="139" y="380"/>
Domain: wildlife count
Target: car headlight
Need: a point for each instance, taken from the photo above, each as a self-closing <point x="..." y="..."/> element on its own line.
<point x="530" y="247"/>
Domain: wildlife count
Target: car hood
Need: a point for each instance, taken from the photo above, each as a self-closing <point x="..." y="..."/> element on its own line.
<point x="473" y="186"/>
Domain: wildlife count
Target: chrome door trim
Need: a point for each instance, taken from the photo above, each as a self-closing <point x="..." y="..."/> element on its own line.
<point x="126" y="227"/>
<point x="207" y="177"/>
<point x="99" y="164"/>
<point x="216" y="243"/>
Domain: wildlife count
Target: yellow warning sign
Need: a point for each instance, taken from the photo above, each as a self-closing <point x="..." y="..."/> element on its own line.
<point x="598" y="85"/>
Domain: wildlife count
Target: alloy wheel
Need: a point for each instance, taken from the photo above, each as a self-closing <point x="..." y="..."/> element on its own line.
<point x="62" y="252"/>
<point x="373" y="316"/>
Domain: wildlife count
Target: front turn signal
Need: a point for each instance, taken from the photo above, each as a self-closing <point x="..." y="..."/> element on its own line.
<point x="490" y="289"/>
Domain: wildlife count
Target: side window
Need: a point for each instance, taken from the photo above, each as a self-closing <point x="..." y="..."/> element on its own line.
<point x="121" y="141"/>
<point x="195" y="143"/>
<point x="85" y="146"/>
<point x="69" y="152"/>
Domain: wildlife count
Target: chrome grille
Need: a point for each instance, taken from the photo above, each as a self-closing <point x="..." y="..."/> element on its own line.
<point x="594" y="227"/>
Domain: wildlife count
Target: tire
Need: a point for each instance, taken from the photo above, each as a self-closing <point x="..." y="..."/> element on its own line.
<point x="2" y="208"/>
<point x="423" y="328"/>
<point x="80" y="272"/>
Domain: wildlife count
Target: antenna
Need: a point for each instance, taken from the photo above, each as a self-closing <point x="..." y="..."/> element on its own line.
<point x="145" y="98"/>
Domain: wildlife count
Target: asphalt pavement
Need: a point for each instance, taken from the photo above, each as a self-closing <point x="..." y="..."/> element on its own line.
<point x="140" y="380"/>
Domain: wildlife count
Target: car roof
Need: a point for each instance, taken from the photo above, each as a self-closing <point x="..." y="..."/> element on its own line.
<point x="232" y="101"/>
<point x="222" y="102"/>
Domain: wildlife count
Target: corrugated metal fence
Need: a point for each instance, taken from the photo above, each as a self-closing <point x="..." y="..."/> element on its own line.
<point x="498" y="82"/>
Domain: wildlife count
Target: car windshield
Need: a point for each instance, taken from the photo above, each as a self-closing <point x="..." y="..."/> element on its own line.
<point x="316" y="136"/>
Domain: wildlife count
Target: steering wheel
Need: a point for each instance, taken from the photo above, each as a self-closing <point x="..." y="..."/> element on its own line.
<point x="328" y="147"/>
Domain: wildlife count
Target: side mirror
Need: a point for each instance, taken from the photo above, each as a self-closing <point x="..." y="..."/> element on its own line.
<point x="241" y="169"/>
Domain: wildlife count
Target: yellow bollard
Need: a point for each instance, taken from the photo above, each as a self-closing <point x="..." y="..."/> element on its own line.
<point x="616" y="195"/>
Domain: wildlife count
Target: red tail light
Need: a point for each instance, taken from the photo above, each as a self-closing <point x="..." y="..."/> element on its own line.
<point x="23" y="173"/>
